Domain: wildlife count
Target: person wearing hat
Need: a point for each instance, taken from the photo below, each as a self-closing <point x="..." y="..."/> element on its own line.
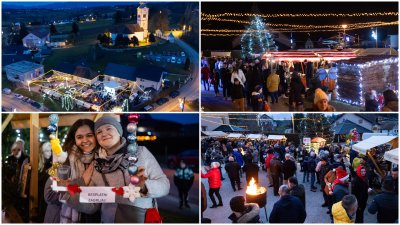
<point x="273" y="86"/>
<point x="183" y="180"/>
<point x="233" y="169"/>
<point x="243" y="212"/>
<point x="386" y="204"/>
<point x="321" y="102"/>
<point x="359" y="188"/>
<point x="340" y="185"/>
<point x="111" y="162"/>
<point x="276" y="172"/>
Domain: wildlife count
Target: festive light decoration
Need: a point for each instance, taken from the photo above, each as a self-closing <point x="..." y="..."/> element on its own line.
<point x="59" y="156"/>
<point x="67" y="101"/>
<point x="257" y="39"/>
<point x="275" y="15"/>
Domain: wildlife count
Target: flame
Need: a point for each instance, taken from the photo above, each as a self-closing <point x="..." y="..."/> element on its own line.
<point x="252" y="188"/>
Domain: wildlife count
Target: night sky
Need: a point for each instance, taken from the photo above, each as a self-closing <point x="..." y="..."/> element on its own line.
<point x="225" y="43"/>
<point x="182" y="118"/>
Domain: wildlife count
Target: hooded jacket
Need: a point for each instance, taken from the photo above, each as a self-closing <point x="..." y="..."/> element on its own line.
<point x="250" y="215"/>
<point x="339" y="214"/>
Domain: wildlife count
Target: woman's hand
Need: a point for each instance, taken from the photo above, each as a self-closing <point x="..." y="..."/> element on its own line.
<point x="141" y="176"/>
<point x="87" y="175"/>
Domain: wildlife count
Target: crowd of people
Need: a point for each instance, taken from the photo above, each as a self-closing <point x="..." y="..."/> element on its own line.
<point x="255" y="85"/>
<point x="345" y="179"/>
<point x="97" y="156"/>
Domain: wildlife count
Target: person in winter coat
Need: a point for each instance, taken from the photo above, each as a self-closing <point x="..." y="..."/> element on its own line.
<point x="322" y="75"/>
<point x="288" y="209"/>
<point x="332" y="77"/>
<point x="205" y="75"/>
<point x="324" y="169"/>
<point x="297" y="190"/>
<point x="226" y="81"/>
<point x="215" y="81"/>
<point x="391" y="102"/>
<point x="312" y="164"/>
<point x="243" y="212"/>
<point x="81" y="146"/>
<point x="183" y="180"/>
<point x="386" y="204"/>
<point x="273" y="87"/>
<point x="321" y="102"/>
<point x="233" y="169"/>
<point x="110" y="170"/>
<point x="238" y="73"/>
<point x="268" y="159"/>
<point x="288" y="168"/>
<point x="340" y="185"/>
<point x="276" y="172"/>
<point x="214" y="182"/>
<point x="371" y="102"/>
<point x="359" y="188"/>
<point x="238" y="157"/>
<point x="343" y="211"/>
<point x="296" y="90"/>
<point x="251" y="170"/>
<point x="237" y="96"/>
<point x="257" y="99"/>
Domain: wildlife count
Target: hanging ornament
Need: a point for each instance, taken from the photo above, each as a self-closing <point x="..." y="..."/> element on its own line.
<point x="132" y="147"/>
<point x="134" y="118"/>
<point x="59" y="156"/>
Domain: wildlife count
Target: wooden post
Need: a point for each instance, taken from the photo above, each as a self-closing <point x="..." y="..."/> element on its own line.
<point x="6" y="121"/>
<point x="376" y="165"/>
<point x="34" y="161"/>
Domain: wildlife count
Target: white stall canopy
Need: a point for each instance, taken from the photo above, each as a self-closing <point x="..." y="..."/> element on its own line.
<point x="364" y="146"/>
<point x="254" y="136"/>
<point x="215" y="133"/>
<point x="234" y="135"/>
<point x="392" y="156"/>
<point x="276" y="137"/>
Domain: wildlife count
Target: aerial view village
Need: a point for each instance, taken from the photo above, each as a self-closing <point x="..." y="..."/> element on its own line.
<point x="100" y="56"/>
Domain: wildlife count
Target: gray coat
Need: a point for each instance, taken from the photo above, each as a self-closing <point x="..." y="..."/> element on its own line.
<point x="53" y="204"/>
<point x="157" y="185"/>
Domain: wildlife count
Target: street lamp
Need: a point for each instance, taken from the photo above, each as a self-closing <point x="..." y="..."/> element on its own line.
<point x="375" y="36"/>
<point x="344" y="26"/>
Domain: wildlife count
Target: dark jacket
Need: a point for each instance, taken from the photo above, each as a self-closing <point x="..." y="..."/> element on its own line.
<point x="251" y="170"/>
<point x="387" y="206"/>
<point x="299" y="192"/>
<point x="275" y="167"/>
<point x="257" y="101"/>
<point x="250" y="215"/>
<point x="183" y="178"/>
<point x="288" y="209"/>
<point x="237" y="91"/>
<point x="371" y="105"/>
<point x="359" y="188"/>
<point x="296" y="90"/>
<point x="232" y="169"/>
<point x="339" y="191"/>
<point x="288" y="168"/>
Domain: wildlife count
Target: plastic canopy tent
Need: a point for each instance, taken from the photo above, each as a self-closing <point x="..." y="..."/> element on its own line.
<point x="392" y="156"/>
<point x="364" y="146"/>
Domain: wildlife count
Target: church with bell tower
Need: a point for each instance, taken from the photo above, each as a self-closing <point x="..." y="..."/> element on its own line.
<point x="143" y="18"/>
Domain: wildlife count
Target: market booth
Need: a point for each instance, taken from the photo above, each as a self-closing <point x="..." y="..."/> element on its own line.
<point x="254" y="136"/>
<point x="317" y="142"/>
<point x="368" y="145"/>
<point x="392" y="156"/>
<point x="272" y="139"/>
<point x="217" y="134"/>
<point x="235" y="135"/>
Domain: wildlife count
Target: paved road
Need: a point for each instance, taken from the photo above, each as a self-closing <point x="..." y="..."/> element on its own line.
<point x="315" y="213"/>
<point x="10" y="102"/>
<point x="191" y="89"/>
<point x="170" y="203"/>
<point x="210" y="102"/>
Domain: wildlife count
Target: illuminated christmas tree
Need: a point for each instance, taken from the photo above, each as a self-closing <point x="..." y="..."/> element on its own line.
<point x="257" y="39"/>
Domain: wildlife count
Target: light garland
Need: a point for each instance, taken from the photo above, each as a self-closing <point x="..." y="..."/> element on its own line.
<point x="67" y="101"/>
<point x="277" y="15"/>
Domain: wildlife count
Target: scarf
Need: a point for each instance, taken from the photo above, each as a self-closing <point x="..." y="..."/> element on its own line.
<point x="363" y="178"/>
<point x="109" y="163"/>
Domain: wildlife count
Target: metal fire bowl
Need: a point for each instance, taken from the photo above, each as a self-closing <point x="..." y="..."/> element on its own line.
<point x="260" y="198"/>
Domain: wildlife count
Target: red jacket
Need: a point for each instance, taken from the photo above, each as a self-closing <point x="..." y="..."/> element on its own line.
<point x="214" y="178"/>
<point x="268" y="160"/>
<point x="205" y="73"/>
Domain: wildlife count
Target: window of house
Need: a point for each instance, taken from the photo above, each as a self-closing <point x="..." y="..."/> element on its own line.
<point x="144" y="15"/>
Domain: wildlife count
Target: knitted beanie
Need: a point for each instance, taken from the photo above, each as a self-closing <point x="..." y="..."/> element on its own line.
<point x="108" y="120"/>
<point x="319" y="95"/>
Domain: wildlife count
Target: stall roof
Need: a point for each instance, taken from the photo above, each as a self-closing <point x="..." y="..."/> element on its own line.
<point x="276" y="137"/>
<point x="22" y="121"/>
<point x="234" y="135"/>
<point x="229" y="128"/>
<point x="311" y="55"/>
<point x="392" y="156"/>
<point x="364" y="146"/>
<point x="254" y="136"/>
<point x="215" y="133"/>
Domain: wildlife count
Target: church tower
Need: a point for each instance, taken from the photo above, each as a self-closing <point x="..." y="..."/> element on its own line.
<point x="143" y="18"/>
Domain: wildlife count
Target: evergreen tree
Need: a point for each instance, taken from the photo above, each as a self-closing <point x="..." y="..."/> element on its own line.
<point x="135" y="41"/>
<point x="75" y="28"/>
<point x="118" y="17"/>
<point x="22" y="33"/>
<point x="53" y="29"/>
<point x="119" y="40"/>
<point x="152" y="38"/>
<point x="257" y="39"/>
<point x="316" y="125"/>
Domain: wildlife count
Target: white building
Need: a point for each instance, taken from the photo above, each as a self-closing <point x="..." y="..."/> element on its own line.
<point x="36" y="38"/>
<point x="23" y="71"/>
<point x="143" y="18"/>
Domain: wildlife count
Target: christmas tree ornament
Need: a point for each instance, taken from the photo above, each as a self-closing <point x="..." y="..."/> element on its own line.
<point x="59" y="156"/>
<point x="132" y="148"/>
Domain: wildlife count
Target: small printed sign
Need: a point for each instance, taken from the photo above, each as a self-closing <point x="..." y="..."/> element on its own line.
<point x="97" y="195"/>
<point x="306" y="140"/>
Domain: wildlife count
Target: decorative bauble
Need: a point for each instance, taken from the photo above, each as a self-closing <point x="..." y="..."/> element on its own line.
<point x="134" y="180"/>
<point x="132" y="148"/>
<point x="52" y="128"/>
<point x="131" y="128"/>
<point x="54" y="119"/>
<point x="132" y="169"/>
<point x="131" y="137"/>
<point x="52" y="136"/>
<point x="133" y="159"/>
<point x="133" y="118"/>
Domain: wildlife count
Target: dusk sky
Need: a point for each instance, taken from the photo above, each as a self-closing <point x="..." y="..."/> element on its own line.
<point x="182" y="118"/>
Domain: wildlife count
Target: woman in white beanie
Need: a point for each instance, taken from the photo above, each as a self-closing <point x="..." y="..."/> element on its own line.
<point x="321" y="102"/>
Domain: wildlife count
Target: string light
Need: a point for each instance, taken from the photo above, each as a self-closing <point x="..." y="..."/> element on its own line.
<point x="278" y="15"/>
